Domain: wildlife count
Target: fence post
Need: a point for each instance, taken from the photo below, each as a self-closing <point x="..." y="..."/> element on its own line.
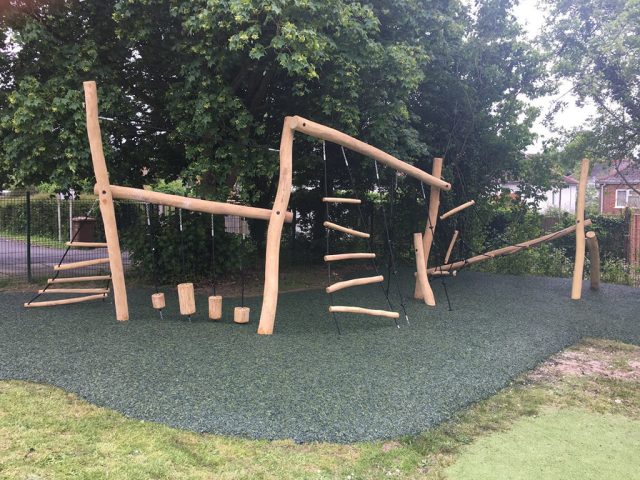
<point x="27" y="204"/>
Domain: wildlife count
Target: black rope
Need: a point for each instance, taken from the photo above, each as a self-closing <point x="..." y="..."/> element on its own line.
<point x="151" y="234"/>
<point x="242" y="246"/>
<point x="327" y="232"/>
<point x="64" y="255"/>
<point x="213" y="254"/>
<point x="182" y="265"/>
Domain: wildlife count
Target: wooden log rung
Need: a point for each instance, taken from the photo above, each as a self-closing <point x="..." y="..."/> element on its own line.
<point x="86" y="244"/>
<point x="81" y="264"/>
<point x="349" y="231"/>
<point x="94" y="278"/>
<point x="363" y="311"/>
<point x="348" y="256"/>
<point x="73" y="290"/>
<point x="354" y="283"/>
<point x="355" y="201"/>
<point x="65" y="301"/>
<point x="457" y="209"/>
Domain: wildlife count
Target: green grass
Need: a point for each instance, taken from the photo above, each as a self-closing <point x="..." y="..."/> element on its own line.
<point x="546" y="424"/>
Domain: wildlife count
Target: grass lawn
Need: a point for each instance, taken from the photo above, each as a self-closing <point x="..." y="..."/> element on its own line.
<point x="574" y="416"/>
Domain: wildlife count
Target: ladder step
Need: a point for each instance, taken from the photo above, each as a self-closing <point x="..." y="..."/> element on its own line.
<point x="350" y="231"/>
<point x="84" y="263"/>
<point x="354" y="282"/>
<point x="356" y="201"/>
<point x="457" y="209"/>
<point x="444" y="273"/>
<point x="66" y="301"/>
<point x="86" y="244"/>
<point x="348" y="256"/>
<point x="74" y="290"/>
<point x="364" y="311"/>
<point x="95" y="278"/>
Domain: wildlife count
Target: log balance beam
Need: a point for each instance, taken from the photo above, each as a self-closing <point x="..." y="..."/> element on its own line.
<point x="274" y="231"/>
<point x="506" y="250"/>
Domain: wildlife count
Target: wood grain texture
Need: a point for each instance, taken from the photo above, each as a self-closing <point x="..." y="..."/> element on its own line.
<point x="186" y="298"/>
<point x="215" y="307"/>
<point x="578" y="269"/>
<point x="594" y="260"/>
<point x="421" y="271"/>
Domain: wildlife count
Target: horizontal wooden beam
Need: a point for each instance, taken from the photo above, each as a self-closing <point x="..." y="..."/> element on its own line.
<point x="74" y="290"/>
<point x="457" y="209"/>
<point x="331" y="135"/>
<point x="94" y="278"/>
<point x="342" y="229"/>
<point x="348" y="256"/>
<point x="364" y="311"/>
<point x="355" y="201"/>
<point x="507" y="250"/>
<point x="354" y="283"/>
<point x="65" y="301"/>
<point x="193" y="204"/>
<point x="83" y="263"/>
<point x="86" y="244"/>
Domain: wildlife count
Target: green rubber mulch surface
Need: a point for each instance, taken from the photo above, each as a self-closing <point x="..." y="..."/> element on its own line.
<point x="306" y="382"/>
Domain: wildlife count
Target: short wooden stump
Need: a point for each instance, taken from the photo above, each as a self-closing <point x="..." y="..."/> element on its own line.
<point x="157" y="300"/>
<point x="215" y="307"/>
<point x="241" y="314"/>
<point x="187" y="299"/>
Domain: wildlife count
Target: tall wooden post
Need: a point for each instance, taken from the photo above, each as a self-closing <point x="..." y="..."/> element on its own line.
<point x="274" y="232"/>
<point x="578" y="270"/>
<point x="429" y="231"/>
<point x="106" y="201"/>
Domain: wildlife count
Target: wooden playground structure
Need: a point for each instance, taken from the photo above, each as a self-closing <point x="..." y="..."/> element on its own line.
<point x="278" y="215"/>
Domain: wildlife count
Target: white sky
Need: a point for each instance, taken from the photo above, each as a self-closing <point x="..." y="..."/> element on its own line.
<point x="532" y="17"/>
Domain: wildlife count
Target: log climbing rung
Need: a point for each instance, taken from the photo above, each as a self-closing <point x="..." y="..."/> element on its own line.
<point x="83" y="263"/>
<point x="354" y="282"/>
<point x="74" y="290"/>
<point x="65" y="301"/>
<point x="86" y="244"/>
<point x="356" y="201"/>
<point x="94" y="278"/>
<point x="457" y="209"/>
<point x="364" y="311"/>
<point x="443" y="273"/>
<point x="342" y="229"/>
<point x="348" y="256"/>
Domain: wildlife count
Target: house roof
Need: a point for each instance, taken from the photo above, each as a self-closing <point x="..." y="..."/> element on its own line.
<point x="630" y="172"/>
<point x="569" y="180"/>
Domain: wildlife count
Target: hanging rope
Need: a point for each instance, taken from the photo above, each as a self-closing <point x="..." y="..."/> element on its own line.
<point x="213" y="254"/>
<point x="151" y="234"/>
<point x="327" y="232"/>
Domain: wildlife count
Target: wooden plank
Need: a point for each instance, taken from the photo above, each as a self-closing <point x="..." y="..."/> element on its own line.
<point x="86" y="244"/>
<point x="74" y="290"/>
<point x="348" y="256"/>
<point x="107" y="210"/>
<point x="81" y="264"/>
<point x="193" y="204"/>
<point x="326" y="133"/>
<point x="94" y="278"/>
<point x="421" y="271"/>
<point x="506" y="250"/>
<point x="349" y="231"/>
<point x="594" y="260"/>
<point x="457" y="209"/>
<point x="354" y="283"/>
<point x="65" y="301"/>
<point x="578" y="269"/>
<point x="451" y="245"/>
<point x="363" y="311"/>
<point x="355" y="201"/>
<point x="274" y="232"/>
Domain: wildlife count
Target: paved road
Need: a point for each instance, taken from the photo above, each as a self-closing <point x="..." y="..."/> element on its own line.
<point x="13" y="259"/>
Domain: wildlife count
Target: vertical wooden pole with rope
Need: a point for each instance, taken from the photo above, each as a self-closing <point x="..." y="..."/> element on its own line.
<point x="427" y="239"/>
<point x="107" y="209"/>
<point x="578" y="270"/>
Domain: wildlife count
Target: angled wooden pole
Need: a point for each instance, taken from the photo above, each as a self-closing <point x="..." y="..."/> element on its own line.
<point x="421" y="269"/>
<point x="274" y="232"/>
<point x="457" y="209"/>
<point x="452" y="243"/>
<point x="106" y="201"/>
<point x="578" y="270"/>
<point x="429" y="231"/>
<point x="594" y="260"/>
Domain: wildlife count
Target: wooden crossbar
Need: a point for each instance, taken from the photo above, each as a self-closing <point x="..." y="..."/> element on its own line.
<point x="86" y="244"/>
<point x="457" y="209"/>
<point x="83" y="263"/>
<point x="356" y="201"/>
<point x="348" y="256"/>
<point x="451" y="245"/>
<point x="65" y="301"/>
<point x="354" y="283"/>
<point x="349" y="231"/>
<point x="74" y="290"/>
<point x="364" y="311"/>
<point x="94" y="278"/>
